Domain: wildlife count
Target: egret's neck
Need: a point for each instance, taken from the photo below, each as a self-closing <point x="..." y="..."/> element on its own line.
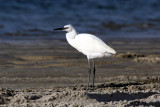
<point x="72" y="34"/>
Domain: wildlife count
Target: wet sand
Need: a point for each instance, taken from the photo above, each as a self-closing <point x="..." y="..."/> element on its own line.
<point x="52" y="73"/>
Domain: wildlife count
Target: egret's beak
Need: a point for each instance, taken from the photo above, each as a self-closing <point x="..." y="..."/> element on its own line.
<point x="63" y="28"/>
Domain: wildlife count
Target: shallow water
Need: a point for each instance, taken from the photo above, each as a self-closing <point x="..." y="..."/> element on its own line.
<point x="29" y="20"/>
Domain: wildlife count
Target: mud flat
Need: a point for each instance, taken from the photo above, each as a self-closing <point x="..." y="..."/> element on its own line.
<point x="51" y="73"/>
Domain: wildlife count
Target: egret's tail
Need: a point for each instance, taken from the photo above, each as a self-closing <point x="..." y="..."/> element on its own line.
<point x="110" y="50"/>
<point x="113" y="52"/>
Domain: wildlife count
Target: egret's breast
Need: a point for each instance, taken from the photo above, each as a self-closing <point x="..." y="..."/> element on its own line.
<point x="73" y="43"/>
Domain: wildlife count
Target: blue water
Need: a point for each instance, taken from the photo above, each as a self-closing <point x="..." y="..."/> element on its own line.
<point x="28" y="19"/>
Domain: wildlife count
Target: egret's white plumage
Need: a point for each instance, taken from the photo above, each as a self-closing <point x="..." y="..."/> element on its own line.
<point x="88" y="44"/>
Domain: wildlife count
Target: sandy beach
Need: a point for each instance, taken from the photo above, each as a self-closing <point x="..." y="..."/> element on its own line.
<point x="52" y="73"/>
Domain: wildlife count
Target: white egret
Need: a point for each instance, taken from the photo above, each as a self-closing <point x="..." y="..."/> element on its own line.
<point x="89" y="45"/>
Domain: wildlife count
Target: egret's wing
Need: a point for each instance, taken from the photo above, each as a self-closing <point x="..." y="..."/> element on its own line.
<point x="91" y="44"/>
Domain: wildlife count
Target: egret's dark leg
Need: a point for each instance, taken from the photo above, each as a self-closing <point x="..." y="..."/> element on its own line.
<point x="89" y="72"/>
<point x="94" y="70"/>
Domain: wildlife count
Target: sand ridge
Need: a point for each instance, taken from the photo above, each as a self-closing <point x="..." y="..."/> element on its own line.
<point x="113" y="94"/>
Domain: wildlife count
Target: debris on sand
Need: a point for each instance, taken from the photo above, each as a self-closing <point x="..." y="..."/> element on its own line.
<point x="139" y="57"/>
<point x="148" y="59"/>
<point x="129" y="55"/>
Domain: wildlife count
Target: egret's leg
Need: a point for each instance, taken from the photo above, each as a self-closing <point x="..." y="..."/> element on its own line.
<point x="89" y="72"/>
<point x="94" y="70"/>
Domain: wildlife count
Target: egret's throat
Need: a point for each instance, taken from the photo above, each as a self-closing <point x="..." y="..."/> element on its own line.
<point x="71" y="34"/>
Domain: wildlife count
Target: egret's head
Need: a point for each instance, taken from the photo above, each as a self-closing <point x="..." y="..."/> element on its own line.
<point x="67" y="28"/>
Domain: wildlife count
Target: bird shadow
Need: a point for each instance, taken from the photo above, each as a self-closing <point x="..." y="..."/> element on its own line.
<point x="120" y="84"/>
<point x="119" y="96"/>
